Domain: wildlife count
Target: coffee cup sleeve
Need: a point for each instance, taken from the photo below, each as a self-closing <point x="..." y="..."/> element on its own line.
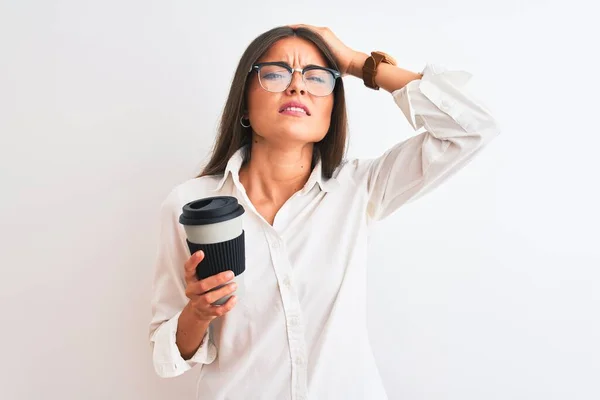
<point x="229" y="255"/>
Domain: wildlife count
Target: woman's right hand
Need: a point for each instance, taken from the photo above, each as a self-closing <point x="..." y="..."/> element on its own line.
<point x="201" y="294"/>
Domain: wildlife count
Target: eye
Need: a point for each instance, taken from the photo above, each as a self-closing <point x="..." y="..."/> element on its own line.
<point x="318" y="76"/>
<point x="272" y="76"/>
<point x="317" y="79"/>
<point x="274" y="73"/>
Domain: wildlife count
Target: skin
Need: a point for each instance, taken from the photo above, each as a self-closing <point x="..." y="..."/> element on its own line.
<point x="283" y="144"/>
<point x="280" y="160"/>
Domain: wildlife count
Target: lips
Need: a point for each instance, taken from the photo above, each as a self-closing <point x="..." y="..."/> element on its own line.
<point x="294" y="107"/>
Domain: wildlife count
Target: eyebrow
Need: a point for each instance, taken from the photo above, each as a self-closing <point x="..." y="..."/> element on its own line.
<point x="306" y="66"/>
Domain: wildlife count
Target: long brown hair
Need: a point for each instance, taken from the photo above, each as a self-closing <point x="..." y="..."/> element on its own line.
<point x="232" y="135"/>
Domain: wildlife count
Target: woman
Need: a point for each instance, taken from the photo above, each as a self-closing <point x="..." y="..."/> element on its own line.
<point x="300" y="329"/>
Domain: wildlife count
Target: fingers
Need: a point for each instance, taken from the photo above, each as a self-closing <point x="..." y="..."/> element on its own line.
<point x="190" y="266"/>
<point x="203" y="293"/>
<point x="206" y="311"/>
<point x="210" y="312"/>
<point x="212" y="282"/>
<point x="219" y="311"/>
<point x="215" y="295"/>
<point x="199" y="287"/>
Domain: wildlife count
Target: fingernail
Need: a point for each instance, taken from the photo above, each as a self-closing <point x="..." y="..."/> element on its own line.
<point x="230" y="274"/>
<point x="199" y="253"/>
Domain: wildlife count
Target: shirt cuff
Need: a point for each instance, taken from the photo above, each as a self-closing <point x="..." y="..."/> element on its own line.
<point x="166" y="356"/>
<point x="443" y="88"/>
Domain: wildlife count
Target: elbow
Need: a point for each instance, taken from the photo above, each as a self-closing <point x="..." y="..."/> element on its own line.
<point x="481" y="133"/>
<point x="489" y="125"/>
<point x="492" y="126"/>
<point x="489" y="131"/>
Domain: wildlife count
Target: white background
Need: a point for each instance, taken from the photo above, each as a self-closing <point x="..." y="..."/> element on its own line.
<point x="487" y="288"/>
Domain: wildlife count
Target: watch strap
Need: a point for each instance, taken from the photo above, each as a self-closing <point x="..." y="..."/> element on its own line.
<point x="370" y="67"/>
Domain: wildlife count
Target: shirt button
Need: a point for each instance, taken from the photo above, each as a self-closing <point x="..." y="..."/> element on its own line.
<point x="294" y="321"/>
<point x="287" y="282"/>
<point x="299" y="361"/>
<point x="448" y="104"/>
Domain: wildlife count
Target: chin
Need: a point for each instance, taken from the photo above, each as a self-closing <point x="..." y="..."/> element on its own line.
<point x="300" y="135"/>
<point x="291" y="131"/>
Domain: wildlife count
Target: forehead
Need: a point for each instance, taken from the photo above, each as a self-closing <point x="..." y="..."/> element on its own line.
<point x="295" y="51"/>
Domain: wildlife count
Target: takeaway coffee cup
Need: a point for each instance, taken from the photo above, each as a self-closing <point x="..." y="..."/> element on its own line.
<point x="214" y="225"/>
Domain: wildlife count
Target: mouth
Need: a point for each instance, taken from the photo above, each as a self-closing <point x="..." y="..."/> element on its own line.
<point x="294" y="108"/>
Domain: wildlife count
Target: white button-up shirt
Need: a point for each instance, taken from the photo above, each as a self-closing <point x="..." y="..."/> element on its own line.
<point x="300" y="329"/>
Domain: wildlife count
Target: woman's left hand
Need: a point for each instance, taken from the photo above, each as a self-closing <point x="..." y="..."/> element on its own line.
<point x="347" y="58"/>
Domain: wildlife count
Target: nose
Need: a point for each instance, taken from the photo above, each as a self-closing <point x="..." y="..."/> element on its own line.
<point x="297" y="84"/>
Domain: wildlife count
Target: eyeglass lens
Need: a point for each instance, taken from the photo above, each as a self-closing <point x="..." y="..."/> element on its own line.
<point x="275" y="78"/>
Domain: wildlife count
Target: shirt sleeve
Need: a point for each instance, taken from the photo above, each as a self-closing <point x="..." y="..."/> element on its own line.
<point x="456" y="127"/>
<point x="169" y="299"/>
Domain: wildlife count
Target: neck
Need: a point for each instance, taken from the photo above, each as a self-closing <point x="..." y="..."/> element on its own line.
<point x="275" y="172"/>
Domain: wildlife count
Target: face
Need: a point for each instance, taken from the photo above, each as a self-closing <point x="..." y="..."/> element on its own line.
<point x="271" y="120"/>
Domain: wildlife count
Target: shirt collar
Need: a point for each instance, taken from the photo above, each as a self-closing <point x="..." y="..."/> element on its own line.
<point x="316" y="177"/>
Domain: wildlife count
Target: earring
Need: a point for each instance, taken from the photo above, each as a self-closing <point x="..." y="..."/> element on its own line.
<point x="242" y="122"/>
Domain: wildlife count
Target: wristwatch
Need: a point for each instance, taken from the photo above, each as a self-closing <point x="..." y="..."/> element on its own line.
<point x="370" y="67"/>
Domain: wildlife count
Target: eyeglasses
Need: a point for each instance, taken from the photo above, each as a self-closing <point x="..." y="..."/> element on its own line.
<point x="277" y="76"/>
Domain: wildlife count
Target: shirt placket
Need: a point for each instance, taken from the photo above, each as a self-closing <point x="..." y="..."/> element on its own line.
<point x="293" y="314"/>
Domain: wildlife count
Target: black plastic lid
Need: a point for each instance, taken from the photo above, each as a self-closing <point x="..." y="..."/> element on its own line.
<point x="210" y="210"/>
